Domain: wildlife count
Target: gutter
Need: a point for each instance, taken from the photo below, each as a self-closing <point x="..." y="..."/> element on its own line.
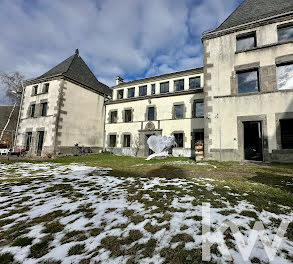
<point x="212" y="32"/>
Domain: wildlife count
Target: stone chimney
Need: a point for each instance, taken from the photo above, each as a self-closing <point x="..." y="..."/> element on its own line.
<point x="119" y="80"/>
<point x="77" y="51"/>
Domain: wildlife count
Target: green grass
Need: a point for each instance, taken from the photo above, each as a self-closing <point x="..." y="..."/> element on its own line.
<point x="6" y="258"/>
<point x="76" y="249"/>
<point x="23" y="241"/>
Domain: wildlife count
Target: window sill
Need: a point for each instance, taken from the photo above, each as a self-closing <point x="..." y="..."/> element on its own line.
<point x="265" y="46"/>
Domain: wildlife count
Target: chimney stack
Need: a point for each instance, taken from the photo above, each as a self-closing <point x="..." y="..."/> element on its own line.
<point x="119" y="80"/>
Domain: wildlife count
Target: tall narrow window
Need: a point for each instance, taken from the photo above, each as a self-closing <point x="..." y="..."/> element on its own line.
<point x="246" y="42"/>
<point x="131" y="92"/>
<point x="46" y="87"/>
<point x="179" y="85"/>
<point x="153" y="88"/>
<point x="112" y="141"/>
<point x="179" y="111"/>
<point x="120" y="94"/>
<point x="44" y="107"/>
<point x="164" y="87"/>
<point x="128" y="116"/>
<point x="32" y="110"/>
<point x="285" y="76"/>
<point x="287" y="133"/>
<point x="35" y="90"/>
<point x="248" y="81"/>
<point x="194" y="83"/>
<point x="151" y="113"/>
<point x="126" y="141"/>
<point x="285" y="33"/>
<point x="179" y="139"/>
<point x="143" y="90"/>
<point x="113" y="117"/>
<point x="198" y="109"/>
<point x="28" y="140"/>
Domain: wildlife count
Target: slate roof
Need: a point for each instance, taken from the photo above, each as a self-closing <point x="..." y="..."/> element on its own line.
<point x="4" y="114"/>
<point x="252" y="10"/>
<point x="77" y="70"/>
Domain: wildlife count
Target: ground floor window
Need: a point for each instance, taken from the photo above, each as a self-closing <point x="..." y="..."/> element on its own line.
<point x="112" y="141"/>
<point x="179" y="139"/>
<point x="287" y="133"/>
<point x="28" y="140"/>
<point x="126" y="141"/>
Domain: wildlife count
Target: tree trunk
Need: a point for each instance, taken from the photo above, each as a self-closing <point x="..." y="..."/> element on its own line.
<point x="7" y="123"/>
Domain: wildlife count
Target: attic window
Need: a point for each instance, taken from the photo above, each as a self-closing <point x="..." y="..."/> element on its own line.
<point x="120" y="94"/>
<point x="143" y="90"/>
<point x="247" y="41"/>
<point x="131" y="92"/>
<point x="285" y="32"/>
<point x="35" y="90"/>
<point x="45" y="87"/>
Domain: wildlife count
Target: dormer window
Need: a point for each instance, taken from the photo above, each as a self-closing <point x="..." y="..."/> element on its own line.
<point x="194" y="83"/>
<point x="143" y="90"/>
<point x="46" y="88"/>
<point x="35" y="90"/>
<point x="285" y="32"/>
<point x="131" y="92"/>
<point x="120" y="94"/>
<point x="247" y="41"/>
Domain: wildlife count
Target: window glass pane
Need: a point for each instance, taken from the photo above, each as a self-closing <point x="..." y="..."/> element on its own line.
<point x="246" y="42"/>
<point x="194" y="83"/>
<point x="131" y="92"/>
<point x="112" y="141"/>
<point x="285" y="77"/>
<point x="33" y="110"/>
<point x="44" y="109"/>
<point x="179" y="85"/>
<point x="46" y="88"/>
<point x="120" y="94"/>
<point x="247" y="82"/>
<point x="128" y="117"/>
<point x="35" y="89"/>
<point x="126" y="141"/>
<point x="287" y="133"/>
<point x="153" y="88"/>
<point x="151" y="113"/>
<point x="199" y="109"/>
<point x="142" y="90"/>
<point x="179" y="139"/>
<point x="114" y="117"/>
<point x="285" y="33"/>
<point x="164" y="87"/>
<point x="179" y="111"/>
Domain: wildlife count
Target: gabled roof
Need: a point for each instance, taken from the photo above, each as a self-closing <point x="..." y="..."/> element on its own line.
<point x="253" y="10"/>
<point x="76" y="69"/>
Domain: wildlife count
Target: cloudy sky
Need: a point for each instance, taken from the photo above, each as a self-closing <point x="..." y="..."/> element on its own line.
<point x="130" y="38"/>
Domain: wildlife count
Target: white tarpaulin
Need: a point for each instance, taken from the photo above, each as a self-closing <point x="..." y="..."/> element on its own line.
<point x="160" y="145"/>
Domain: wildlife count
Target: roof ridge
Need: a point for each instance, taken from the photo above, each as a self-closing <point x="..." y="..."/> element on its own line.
<point x="230" y="14"/>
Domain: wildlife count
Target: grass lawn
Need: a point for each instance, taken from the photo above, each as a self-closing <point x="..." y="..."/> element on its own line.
<point x="109" y="209"/>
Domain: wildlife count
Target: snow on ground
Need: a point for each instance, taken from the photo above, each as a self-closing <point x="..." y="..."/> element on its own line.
<point x="76" y="213"/>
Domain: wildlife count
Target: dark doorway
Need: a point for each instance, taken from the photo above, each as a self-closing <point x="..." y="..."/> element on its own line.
<point x="253" y="149"/>
<point x="148" y="150"/>
<point x="40" y="142"/>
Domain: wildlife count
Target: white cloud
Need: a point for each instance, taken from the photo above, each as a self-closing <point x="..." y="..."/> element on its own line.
<point x="129" y="38"/>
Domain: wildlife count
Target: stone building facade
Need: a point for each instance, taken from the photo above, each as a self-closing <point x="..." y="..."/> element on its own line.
<point x="61" y="108"/>
<point x="165" y="105"/>
<point x="248" y="72"/>
<point x="239" y="104"/>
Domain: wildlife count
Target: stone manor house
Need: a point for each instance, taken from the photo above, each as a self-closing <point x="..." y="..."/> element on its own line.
<point x="239" y="104"/>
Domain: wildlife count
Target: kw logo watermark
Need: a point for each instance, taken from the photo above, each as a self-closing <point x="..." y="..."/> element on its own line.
<point x="245" y="249"/>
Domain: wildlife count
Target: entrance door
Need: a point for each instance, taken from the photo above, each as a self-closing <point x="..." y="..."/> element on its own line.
<point x="253" y="148"/>
<point x="40" y="142"/>
<point x="148" y="150"/>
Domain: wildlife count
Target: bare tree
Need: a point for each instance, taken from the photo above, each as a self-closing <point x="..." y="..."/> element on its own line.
<point x="14" y="85"/>
<point x="137" y="144"/>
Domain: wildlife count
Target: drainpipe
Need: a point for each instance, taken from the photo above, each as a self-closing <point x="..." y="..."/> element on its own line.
<point x="18" y="119"/>
<point x="104" y="139"/>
